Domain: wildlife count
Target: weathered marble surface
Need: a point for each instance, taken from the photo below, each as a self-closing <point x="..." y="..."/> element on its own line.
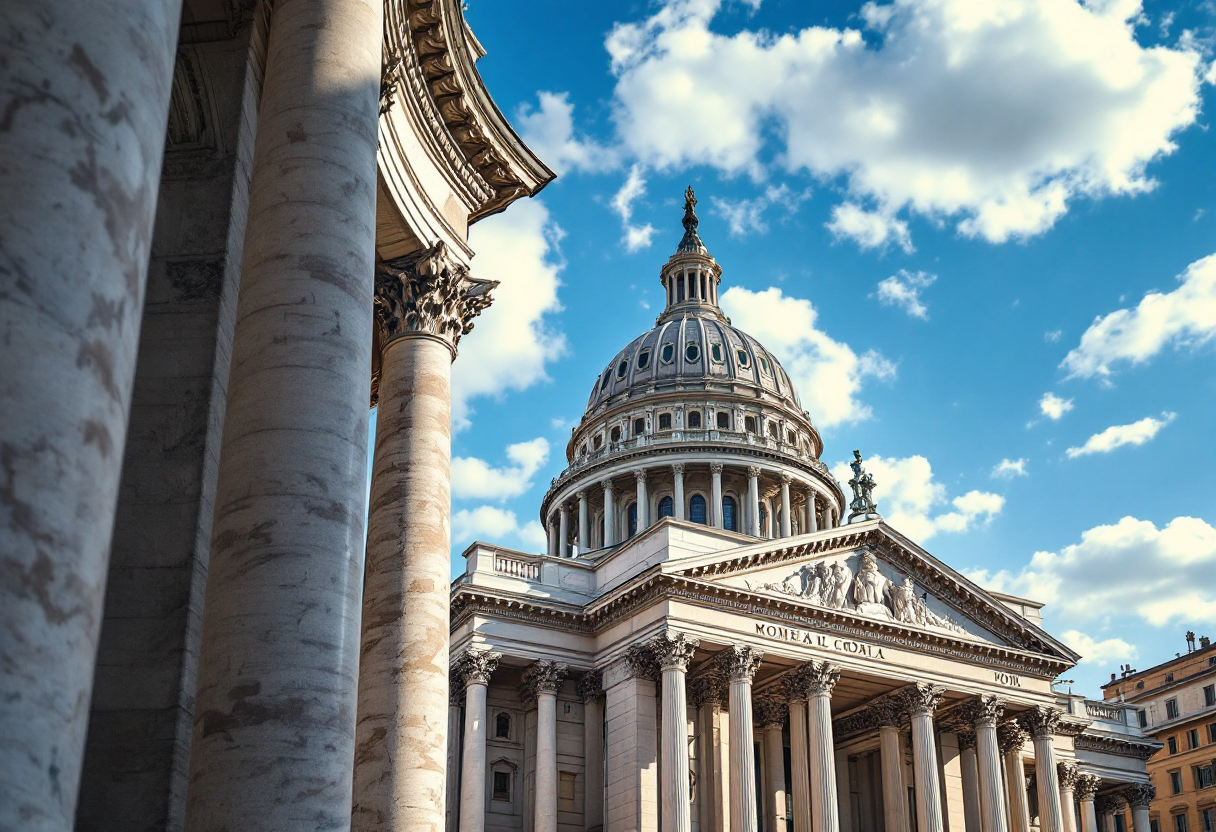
<point x="274" y="726"/>
<point x="83" y="96"/>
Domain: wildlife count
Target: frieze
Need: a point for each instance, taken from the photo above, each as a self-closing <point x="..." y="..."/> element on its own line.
<point x="1117" y="747"/>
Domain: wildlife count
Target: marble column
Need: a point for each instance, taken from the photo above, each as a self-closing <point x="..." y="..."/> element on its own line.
<point x="475" y="667"/>
<point x="677" y="499"/>
<point x="844" y="788"/>
<point x="1012" y="737"/>
<point x="821" y="679"/>
<point x="551" y="531"/>
<point x="424" y="303"/>
<point x="541" y="682"/>
<point x="609" y="515"/>
<point x="713" y="725"/>
<point x="84" y="91"/>
<point x="563" y="531"/>
<point x="894" y="798"/>
<point x="1067" y="774"/>
<point x="591" y="689"/>
<point x="1106" y="806"/>
<point x="455" y="741"/>
<point x="739" y="664"/>
<point x="921" y="701"/>
<point x="1138" y="798"/>
<point x="584" y="523"/>
<point x="1086" y="789"/>
<point x="770" y="716"/>
<point x="797" y="689"/>
<point x="673" y="651"/>
<point x="972" y="812"/>
<point x="630" y="713"/>
<point x="786" y="509"/>
<point x="1041" y="722"/>
<point x="812" y="513"/>
<point x="643" y="501"/>
<point x="715" y="472"/>
<point x="274" y="730"/>
<point x="983" y="713"/>
<point x="753" y="501"/>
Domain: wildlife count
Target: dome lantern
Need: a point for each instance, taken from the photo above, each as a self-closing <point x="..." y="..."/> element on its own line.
<point x="691" y="276"/>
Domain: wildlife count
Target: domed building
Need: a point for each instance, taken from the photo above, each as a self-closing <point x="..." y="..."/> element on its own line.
<point x="716" y="641"/>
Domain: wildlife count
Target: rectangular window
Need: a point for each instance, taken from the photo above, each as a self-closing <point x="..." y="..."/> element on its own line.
<point x="639" y="427"/>
<point x="502" y="785"/>
<point x="1142" y="716"/>
<point x="1169" y="677"/>
<point x="565" y="786"/>
<point x="1209" y="696"/>
<point x="664" y="421"/>
<point x="749" y="422"/>
<point x="723" y="420"/>
<point x="1203" y="776"/>
<point x="1212" y="732"/>
<point x="1192" y="738"/>
<point x="1171" y="709"/>
<point x="1175" y="782"/>
<point x="1153" y="825"/>
<point x="1208" y="818"/>
<point x="1179" y="823"/>
<point x="1172" y="744"/>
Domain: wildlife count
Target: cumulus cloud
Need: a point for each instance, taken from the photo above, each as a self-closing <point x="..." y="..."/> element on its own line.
<point x="990" y="115"/>
<point x="744" y="216"/>
<point x="1094" y="651"/>
<point x="476" y="478"/>
<point x="497" y="525"/>
<point x="912" y="501"/>
<point x="636" y="237"/>
<point x="548" y="129"/>
<point x="827" y="373"/>
<point x="1162" y="576"/>
<point x="513" y="340"/>
<point x="1054" y="407"/>
<point x="1185" y="317"/>
<point x="1116" y="436"/>
<point x="903" y="290"/>
<point x="1007" y="469"/>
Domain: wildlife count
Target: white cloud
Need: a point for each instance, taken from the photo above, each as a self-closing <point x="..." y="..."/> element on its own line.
<point x="827" y="374"/>
<point x="636" y="237"/>
<point x="903" y="290"/>
<point x="513" y="340"/>
<point x="747" y="215"/>
<point x="1098" y="652"/>
<point x="476" y="478"/>
<point x="548" y="129"/>
<point x="1116" y="436"/>
<point x="911" y="500"/>
<point x="1007" y="469"/>
<point x="1052" y="336"/>
<point x="993" y="115"/>
<point x="1163" y="576"/>
<point x="1185" y="317"/>
<point x="496" y="525"/>
<point x="1054" y="407"/>
<point x="869" y="229"/>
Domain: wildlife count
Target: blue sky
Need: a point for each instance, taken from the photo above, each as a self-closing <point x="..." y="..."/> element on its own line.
<point x="975" y="233"/>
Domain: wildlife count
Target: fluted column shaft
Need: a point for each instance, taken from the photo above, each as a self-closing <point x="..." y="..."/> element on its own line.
<point x="1015" y="782"/>
<point x="563" y="531"/>
<point x="584" y="523"/>
<point x="476" y="668"/>
<point x="753" y="501"/>
<point x="800" y="764"/>
<point x="774" y="761"/>
<point x="786" y="509"/>
<point x="824" y="804"/>
<point x="1068" y="775"/>
<point x="812" y="515"/>
<point x="643" y="501"/>
<point x="609" y="516"/>
<point x="924" y="767"/>
<point x="1140" y="818"/>
<point x="1042" y="722"/>
<point x="972" y="812"/>
<point x="593" y="743"/>
<point x="991" y="784"/>
<point x="740" y="664"/>
<point x="677" y="508"/>
<point x="676" y="810"/>
<point x="894" y="798"/>
<point x="715" y="471"/>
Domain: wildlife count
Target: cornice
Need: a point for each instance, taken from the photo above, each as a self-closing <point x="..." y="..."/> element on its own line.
<point x="1118" y="746"/>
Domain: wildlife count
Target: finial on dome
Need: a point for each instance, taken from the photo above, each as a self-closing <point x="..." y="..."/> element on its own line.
<point x="691" y="242"/>
<point x="863" y="506"/>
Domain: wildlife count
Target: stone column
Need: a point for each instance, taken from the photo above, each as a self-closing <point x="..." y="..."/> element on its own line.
<point x="274" y="730"/>
<point x="541" y="681"/>
<point x="983" y="713"/>
<point x="739" y="665"/>
<point x="563" y="531"/>
<point x="921" y="701"/>
<point x="673" y="651"/>
<point x="812" y="513"/>
<point x="1138" y="798"/>
<point x="844" y="789"/>
<point x="1041" y="722"/>
<point x="972" y="812"/>
<point x="632" y="799"/>
<point x="609" y="515"/>
<point x="1106" y="806"/>
<point x="643" y="501"/>
<point x="591" y="689"/>
<point x="677" y="508"/>
<point x="424" y="303"/>
<point x="797" y="689"/>
<point x="889" y="714"/>
<point x="708" y="695"/>
<point x="84" y="92"/>
<point x="1087" y="788"/>
<point x="455" y="741"/>
<point x="715" y="472"/>
<point x="821" y="679"/>
<point x="1067" y="774"/>
<point x="584" y="524"/>
<point x="475" y="667"/>
<point x="551" y="530"/>
<point x="753" y="500"/>
<point x="1012" y="737"/>
<point x="770" y="716"/>
<point x="786" y="510"/>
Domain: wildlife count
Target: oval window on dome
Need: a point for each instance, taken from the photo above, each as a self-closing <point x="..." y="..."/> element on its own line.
<point x="667" y="353"/>
<point x="607" y="377"/>
<point x="622" y="368"/>
<point x="692" y="352"/>
<point x="643" y="359"/>
<point x="744" y="361"/>
<point x="764" y="364"/>
<point x="715" y="352"/>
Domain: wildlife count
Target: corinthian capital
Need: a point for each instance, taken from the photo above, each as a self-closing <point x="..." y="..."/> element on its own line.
<point x="1087" y="786"/>
<point x="591" y="686"/>
<point x="1068" y="774"/>
<point x="982" y="711"/>
<point x="821" y="677"/>
<point x="708" y="689"/>
<point x="427" y="293"/>
<point x="475" y="667"/>
<point x="1011" y="736"/>
<point x="543" y="677"/>
<point x="922" y="698"/>
<point x="770" y="710"/>
<point x="1139" y="795"/>
<point x="672" y="650"/>
<point x="739" y="663"/>
<point x="1041" y="721"/>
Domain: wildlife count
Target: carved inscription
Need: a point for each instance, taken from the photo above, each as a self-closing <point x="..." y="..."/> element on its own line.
<point x="825" y="642"/>
<point x="1008" y="679"/>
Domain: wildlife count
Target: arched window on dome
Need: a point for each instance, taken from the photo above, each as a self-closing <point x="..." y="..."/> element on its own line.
<point x="615" y="436"/>
<point x="696" y="509"/>
<point x="730" y="514"/>
<point x="666" y="508"/>
<point x="763" y="521"/>
<point x="633" y="519"/>
<point x="694" y="419"/>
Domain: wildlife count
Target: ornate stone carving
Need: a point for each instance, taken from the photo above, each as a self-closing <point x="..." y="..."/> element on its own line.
<point x="426" y="292"/>
<point x="1106" y="804"/>
<point x="1087" y="786"/>
<point x="475" y="667"/>
<point x="708" y="689"/>
<point x="1011" y="736"/>
<point x="1040" y="721"/>
<point x="1067" y="774"/>
<point x="739" y="663"/>
<point x="640" y="476"/>
<point x="716" y="467"/>
<point x="1122" y="747"/>
<point x="753" y="471"/>
<point x="769" y="710"/>
<point x="984" y="710"/>
<point x="785" y="477"/>
<point x="821" y="677"/>
<point x="677" y="468"/>
<point x="543" y="677"/>
<point x="889" y="711"/>
<point x="607" y="486"/>
<point x="863" y="504"/>
<point x="1140" y="795"/>
<point x="673" y="650"/>
<point x="966" y="740"/>
<point x="591" y="686"/>
<point x="922" y="698"/>
<point x="796" y="685"/>
<point x="643" y="664"/>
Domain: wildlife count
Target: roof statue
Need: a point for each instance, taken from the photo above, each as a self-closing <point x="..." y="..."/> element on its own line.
<point x="691" y="240"/>
<point x="863" y="506"/>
